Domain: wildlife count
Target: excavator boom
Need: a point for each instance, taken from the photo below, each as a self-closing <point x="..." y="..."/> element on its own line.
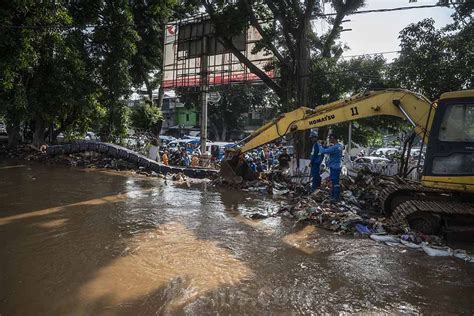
<point x="405" y="104"/>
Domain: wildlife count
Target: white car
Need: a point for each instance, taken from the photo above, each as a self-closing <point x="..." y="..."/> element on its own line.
<point x="3" y="128"/>
<point x="370" y="160"/>
<point x="385" y="151"/>
<point x="174" y="145"/>
<point x="91" y="136"/>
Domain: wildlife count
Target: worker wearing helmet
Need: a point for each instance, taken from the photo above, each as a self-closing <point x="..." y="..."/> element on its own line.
<point x="335" y="159"/>
<point x="315" y="162"/>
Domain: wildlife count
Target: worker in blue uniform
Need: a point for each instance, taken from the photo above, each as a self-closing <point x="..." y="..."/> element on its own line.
<point x="315" y="163"/>
<point x="335" y="158"/>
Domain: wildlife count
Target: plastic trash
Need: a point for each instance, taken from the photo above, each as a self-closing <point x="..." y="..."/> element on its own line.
<point x="463" y="255"/>
<point x="435" y="251"/>
<point x="393" y="244"/>
<point x="280" y="192"/>
<point x="362" y="229"/>
<point x="410" y="244"/>
<point x="385" y="238"/>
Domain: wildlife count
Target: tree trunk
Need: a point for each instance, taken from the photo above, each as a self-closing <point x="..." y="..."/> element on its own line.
<point x="224" y="133"/>
<point x="107" y="131"/>
<point x="215" y="130"/>
<point x="149" y="89"/>
<point x="13" y="130"/>
<point x="303" y="64"/>
<point x="161" y="93"/>
<point x="39" y="132"/>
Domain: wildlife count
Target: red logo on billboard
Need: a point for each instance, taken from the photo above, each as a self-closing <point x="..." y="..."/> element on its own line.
<point x="170" y="29"/>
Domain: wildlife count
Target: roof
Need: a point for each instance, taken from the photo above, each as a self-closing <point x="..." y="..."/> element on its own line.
<point x="457" y="94"/>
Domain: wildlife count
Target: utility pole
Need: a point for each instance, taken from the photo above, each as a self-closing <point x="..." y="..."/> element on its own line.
<point x="204" y="91"/>
<point x="349" y="145"/>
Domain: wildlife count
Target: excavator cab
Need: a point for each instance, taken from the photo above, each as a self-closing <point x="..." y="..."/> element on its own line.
<point x="449" y="162"/>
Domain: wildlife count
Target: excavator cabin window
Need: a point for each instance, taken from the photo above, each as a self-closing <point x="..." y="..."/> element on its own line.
<point x="458" y="124"/>
<point x="451" y="148"/>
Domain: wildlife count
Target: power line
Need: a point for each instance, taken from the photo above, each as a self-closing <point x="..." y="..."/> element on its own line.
<point x="427" y="6"/>
<point x="371" y="54"/>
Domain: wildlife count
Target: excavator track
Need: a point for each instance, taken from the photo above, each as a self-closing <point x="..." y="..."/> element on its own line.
<point x="406" y="209"/>
<point x="395" y="194"/>
<point x="424" y="209"/>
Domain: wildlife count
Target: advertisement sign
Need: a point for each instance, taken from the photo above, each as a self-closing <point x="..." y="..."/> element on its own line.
<point x="190" y="43"/>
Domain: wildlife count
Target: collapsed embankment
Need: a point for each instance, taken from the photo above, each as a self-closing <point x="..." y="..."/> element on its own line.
<point x="102" y="155"/>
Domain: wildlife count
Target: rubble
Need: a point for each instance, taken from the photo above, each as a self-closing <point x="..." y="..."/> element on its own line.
<point x="179" y="177"/>
<point x="358" y="211"/>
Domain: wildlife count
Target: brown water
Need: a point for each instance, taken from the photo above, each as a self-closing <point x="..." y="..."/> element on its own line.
<point x="82" y="242"/>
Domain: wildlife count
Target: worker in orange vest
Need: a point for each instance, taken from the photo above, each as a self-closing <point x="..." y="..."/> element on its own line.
<point x="165" y="158"/>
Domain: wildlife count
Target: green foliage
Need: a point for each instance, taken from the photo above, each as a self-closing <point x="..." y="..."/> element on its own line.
<point x="433" y="61"/>
<point x="333" y="80"/>
<point x="227" y="115"/>
<point x="67" y="66"/>
<point x="145" y="117"/>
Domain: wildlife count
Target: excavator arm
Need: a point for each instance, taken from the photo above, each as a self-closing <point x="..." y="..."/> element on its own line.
<point x="405" y="104"/>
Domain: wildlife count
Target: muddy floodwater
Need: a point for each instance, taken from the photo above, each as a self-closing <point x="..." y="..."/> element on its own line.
<point x="82" y="242"/>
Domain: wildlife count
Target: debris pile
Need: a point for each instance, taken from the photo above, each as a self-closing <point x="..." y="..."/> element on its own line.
<point x="346" y="216"/>
<point x="359" y="207"/>
<point x="433" y="246"/>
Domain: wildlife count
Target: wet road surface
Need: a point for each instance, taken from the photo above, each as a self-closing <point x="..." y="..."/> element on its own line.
<point x="81" y="242"/>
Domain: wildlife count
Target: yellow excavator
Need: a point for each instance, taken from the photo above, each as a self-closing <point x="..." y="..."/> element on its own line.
<point x="444" y="198"/>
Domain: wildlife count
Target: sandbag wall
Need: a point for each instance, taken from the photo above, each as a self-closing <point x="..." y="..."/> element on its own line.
<point x="119" y="152"/>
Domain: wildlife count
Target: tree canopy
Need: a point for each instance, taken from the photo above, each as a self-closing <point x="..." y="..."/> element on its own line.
<point x="70" y="66"/>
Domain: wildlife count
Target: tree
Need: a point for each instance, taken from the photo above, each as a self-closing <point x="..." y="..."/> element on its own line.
<point x="149" y="18"/>
<point x="114" y="44"/>
<point x="27" y="31"/>
<point x="433" y="61"/>
<point x="145" y="119"/>
<point x="335" y="80"/>
<point x="48" y="77"/>
<point x="291" y="39"/>
<point x="228" y="114"/>
<point x="68" y="66"/>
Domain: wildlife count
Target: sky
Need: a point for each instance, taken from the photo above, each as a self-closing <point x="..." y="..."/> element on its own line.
<point x="378" y="32"/>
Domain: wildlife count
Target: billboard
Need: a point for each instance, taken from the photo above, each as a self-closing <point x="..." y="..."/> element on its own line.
<point x="188" y="42"/>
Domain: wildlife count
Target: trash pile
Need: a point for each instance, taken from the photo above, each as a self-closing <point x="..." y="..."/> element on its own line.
<point x="433" y="246"/>
<point x="347" y="216"/>
<point x="360" y="200"/>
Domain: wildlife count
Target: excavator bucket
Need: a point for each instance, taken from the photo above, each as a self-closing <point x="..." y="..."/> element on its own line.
<point x="234" y="169"/>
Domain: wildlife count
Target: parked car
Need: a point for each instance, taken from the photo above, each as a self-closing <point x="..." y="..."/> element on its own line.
<point x="385" y="152"/>
<point x="91" y="136"/>
<point x="191" y="137"/>
<point x="369" y="160"/>
<point x="165" y="139"/>
<point x="3" y="129"/>
<point x="178" y="143"/>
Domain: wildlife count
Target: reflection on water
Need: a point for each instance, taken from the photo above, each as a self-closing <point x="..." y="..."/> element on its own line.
<point x="76" y="242"/>
<point x="157" y="258"/>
